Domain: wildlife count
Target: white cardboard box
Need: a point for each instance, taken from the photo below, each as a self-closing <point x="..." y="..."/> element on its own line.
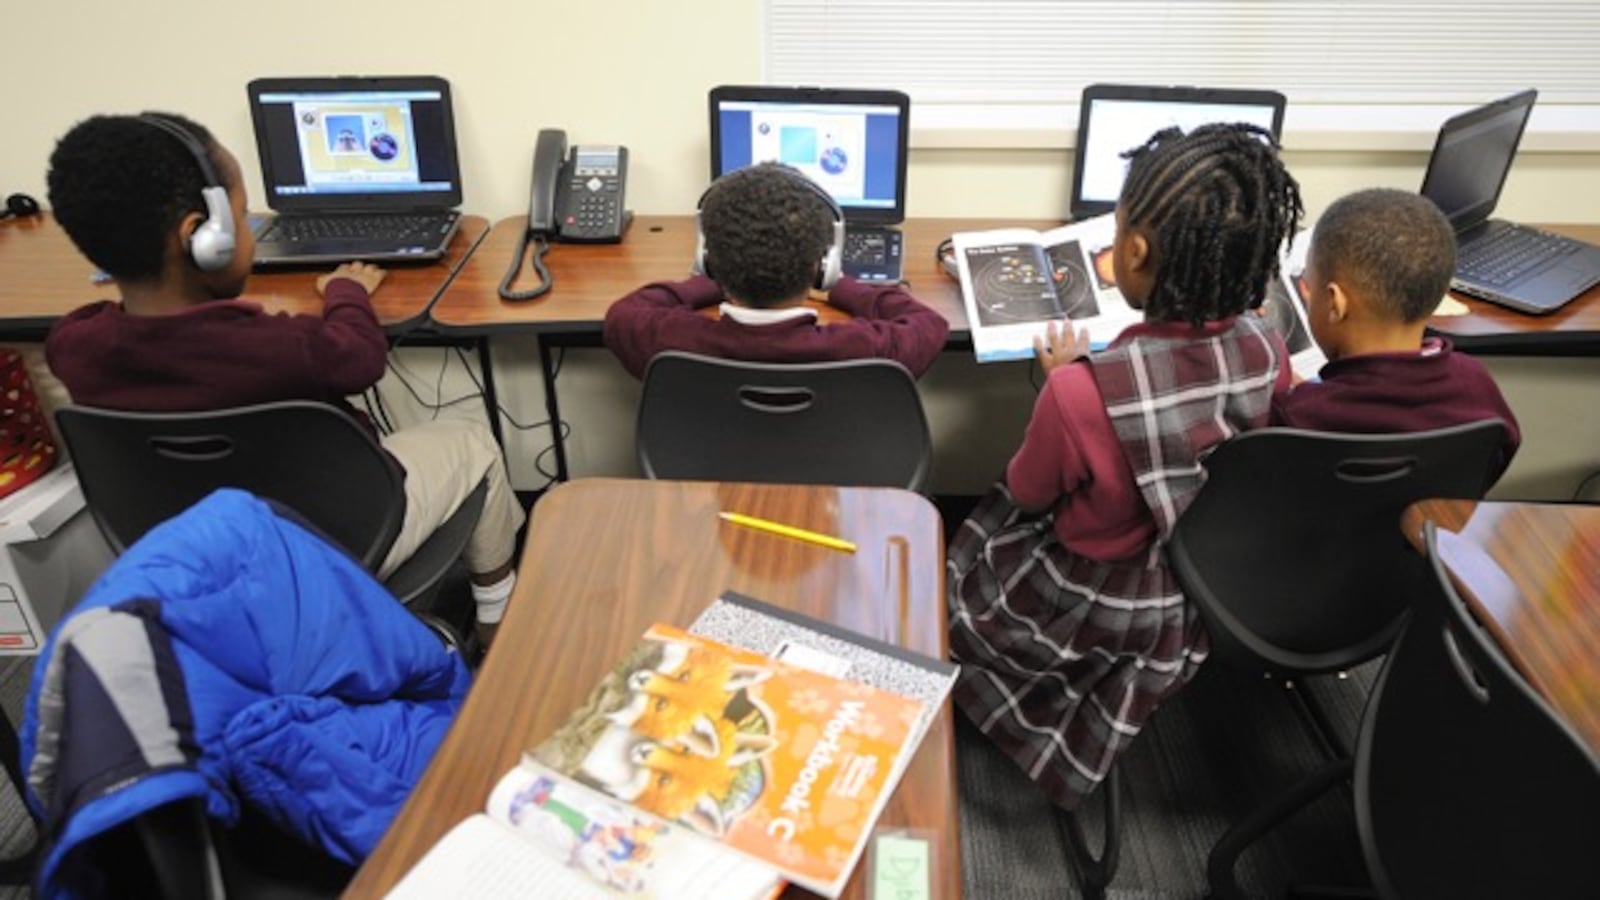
<point x="31" y="514"/>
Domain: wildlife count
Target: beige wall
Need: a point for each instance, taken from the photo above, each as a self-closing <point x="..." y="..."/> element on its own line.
<point x="634" y="72"/>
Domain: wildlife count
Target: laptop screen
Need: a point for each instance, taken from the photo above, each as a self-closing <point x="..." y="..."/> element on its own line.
<point x="1115" y="118"/>
<point x="1472" y="157"/>
<point x="356" y="143"/>
<point x="853" y="143"/>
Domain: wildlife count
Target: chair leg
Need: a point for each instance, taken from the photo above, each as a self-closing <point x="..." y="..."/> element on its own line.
<point x="18" y="869"/>
<point x="1220" y="864"/>
<point x="1316" y="719"/>
<point x="1095" y="873"/>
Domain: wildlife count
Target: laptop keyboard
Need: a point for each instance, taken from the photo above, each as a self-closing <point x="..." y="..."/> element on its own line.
<point x="871" y="247"/>
<point x="384" y="227"/>
<point x="1509" y="251"/>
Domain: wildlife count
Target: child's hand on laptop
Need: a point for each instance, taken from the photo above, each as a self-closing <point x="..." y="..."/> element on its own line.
<point x="367" y="275"/>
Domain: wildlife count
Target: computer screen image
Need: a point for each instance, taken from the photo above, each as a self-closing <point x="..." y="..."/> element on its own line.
<point x="1114" y="119"/>
<point x="321" y="144"/>
<point x="852" y="143"/>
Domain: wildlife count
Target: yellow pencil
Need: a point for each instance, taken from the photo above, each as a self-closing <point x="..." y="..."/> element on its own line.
<point x="789" y="531"/>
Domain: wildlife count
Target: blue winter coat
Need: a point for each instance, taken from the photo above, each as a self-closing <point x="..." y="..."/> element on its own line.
<point x="232" y="654"/>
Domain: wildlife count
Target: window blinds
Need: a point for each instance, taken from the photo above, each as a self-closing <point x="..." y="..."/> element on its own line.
<point x="1355" y="52"/>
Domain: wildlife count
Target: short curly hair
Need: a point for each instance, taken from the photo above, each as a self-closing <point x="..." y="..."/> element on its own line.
<point x="119" y="186"/>
<point x="1218" y="204"/>
<point x="1393" y="248"/>
<point x="766" y="232"/>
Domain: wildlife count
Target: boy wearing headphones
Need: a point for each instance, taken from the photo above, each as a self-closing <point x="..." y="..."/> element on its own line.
<point x="769" y="235"/>
<point x="159" y="205"/>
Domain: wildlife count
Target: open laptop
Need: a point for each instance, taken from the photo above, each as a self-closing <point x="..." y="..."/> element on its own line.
<point x="355" y="168"/>
<point x="1115" y="118"/>
<point x="1512" y="265"/>
<point x="852" y="142"/>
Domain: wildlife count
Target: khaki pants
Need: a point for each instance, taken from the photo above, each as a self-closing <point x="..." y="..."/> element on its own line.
<point x="444" y="460"/>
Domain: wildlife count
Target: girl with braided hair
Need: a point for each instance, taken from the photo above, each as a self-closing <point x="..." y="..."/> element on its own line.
<point x="1069" y="626"/>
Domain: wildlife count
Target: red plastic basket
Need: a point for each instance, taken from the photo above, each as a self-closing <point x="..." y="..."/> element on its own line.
<point x="27" y="448"/>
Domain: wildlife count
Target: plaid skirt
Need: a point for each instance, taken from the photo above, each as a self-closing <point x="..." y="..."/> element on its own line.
<point x="1062" y="658"/>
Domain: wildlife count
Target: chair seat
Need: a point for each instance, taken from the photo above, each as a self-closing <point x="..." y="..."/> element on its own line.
<point x="853" y="422"/>
<point x="140" y="469"/>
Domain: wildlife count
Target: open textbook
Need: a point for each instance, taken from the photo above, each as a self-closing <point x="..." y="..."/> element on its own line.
<point x="1015" y="281"/>
<point x="541" y="835"/>
<point x="698" y="769"/>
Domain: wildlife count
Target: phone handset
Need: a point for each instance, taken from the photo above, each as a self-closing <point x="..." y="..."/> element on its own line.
<point x="577" y="195"/>
<point x="548" y="153"/>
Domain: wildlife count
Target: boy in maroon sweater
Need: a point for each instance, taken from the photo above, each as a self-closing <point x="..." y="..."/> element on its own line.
<point x="766" y="232"/>
<point x="1379" y="263"/>
<point x="135" y="193"/>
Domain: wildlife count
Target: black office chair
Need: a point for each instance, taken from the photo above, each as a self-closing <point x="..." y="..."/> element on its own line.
<point x="1293" y="553"/>
<point x="854" y="422"/>
<point x="15" y="870"/>
<point x="140" y="469"/>
<point x="1467" y="783"/>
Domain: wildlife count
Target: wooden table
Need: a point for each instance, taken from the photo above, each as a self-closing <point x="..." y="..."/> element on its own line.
<point x="1530" y="572"/>
<point x="589" y="278"/>
<point x="605" y="558"/>
<point x="43" y="277"/>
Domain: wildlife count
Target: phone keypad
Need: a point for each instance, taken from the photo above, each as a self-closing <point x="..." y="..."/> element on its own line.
<point x="595" y="202"/>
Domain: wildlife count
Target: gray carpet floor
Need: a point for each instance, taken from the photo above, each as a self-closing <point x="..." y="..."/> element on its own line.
<point x="16" y="826"/>
<point x="1221" y="746"/>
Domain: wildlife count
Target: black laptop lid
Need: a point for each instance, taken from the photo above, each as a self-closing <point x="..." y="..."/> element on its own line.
<point x="1472" y="157"/>
<point x="852" y="142"/>
<point x="351" y="144"/>
<point x="1115" y="118"/>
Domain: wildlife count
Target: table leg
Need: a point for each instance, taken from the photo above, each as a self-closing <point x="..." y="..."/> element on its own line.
<point x="552" y="407"/>
<point x="491" y="402"/>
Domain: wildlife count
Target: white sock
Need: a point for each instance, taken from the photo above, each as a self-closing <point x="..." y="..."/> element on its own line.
<point x="491" y="598"/>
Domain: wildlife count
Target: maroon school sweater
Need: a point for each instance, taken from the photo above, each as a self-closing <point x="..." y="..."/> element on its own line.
<point x="1378" y="393"/>
<point x="885" y="322"/>
<point x="219" y="354"/>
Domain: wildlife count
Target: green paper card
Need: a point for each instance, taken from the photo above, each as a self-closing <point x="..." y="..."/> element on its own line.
<point x="900" y="868"/>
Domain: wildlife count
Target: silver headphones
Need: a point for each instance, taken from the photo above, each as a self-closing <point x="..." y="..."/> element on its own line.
<point x="829" y="268"/>
<point x="211" y="246"/>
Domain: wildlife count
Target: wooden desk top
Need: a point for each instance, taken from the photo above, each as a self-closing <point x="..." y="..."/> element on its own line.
<point x="605" y="558"/>
<point x="43" y="277"/>
<point x="1531" y="573"/>
<point x="589" y="278"/>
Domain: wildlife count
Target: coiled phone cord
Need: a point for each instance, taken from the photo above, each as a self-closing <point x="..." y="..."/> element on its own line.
<point x="540" y="247"/>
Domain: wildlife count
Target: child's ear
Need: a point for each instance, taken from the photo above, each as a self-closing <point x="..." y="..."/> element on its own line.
<point x="1138" y="250"/>
<point x="1338" y="302"/>
<point x="186" y="230"/>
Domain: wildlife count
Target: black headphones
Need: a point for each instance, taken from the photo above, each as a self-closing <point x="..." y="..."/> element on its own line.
<point x="829" y="268"/>
<point x="211" y="246"/>
<point x="21" y="206"/>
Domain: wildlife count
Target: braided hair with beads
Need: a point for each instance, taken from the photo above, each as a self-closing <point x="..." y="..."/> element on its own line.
<point x="1216" y="205"/>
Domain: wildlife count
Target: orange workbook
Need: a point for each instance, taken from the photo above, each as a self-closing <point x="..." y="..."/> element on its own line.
<point x="785" y="765"/>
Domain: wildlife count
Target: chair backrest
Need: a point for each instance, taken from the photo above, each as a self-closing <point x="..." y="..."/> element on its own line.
<point x="1293" y="551"/>
<point x="853" y="422"/>
<point x="1467" y="783"/>
<point x="140" y="469"/>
